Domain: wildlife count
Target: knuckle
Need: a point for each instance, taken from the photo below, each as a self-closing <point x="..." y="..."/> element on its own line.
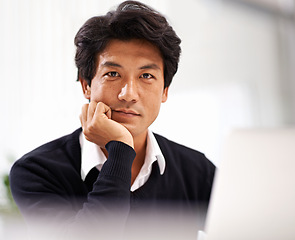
<point x="85" y="106"/>
<point x="91" y="128"/>
<point x="99" y="104"/>
<point x="85" y="131"/>
<point x="92" y="103"/>
<point x="87" y="138"/>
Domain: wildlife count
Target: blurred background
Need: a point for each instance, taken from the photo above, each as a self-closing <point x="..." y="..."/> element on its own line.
<point x="236" y="71"/>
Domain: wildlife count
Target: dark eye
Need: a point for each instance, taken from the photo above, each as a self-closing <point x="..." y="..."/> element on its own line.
<point x="113" y="74"/>
<point x="147" y="75"/>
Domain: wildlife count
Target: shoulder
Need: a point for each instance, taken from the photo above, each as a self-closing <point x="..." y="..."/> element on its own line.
<point x="53" y="154"/>
<point x="47" y="173"/>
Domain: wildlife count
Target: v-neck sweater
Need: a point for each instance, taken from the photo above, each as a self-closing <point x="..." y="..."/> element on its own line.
<point x="47" y="181"/>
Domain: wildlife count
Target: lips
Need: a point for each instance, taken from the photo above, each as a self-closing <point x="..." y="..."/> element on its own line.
<point x="128" y="112"/>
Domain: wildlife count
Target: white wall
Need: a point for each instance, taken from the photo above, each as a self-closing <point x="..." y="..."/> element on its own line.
<point x="229" y="75"/>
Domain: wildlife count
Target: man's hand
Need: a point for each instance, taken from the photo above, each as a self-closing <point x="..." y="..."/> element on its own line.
<point x="99" y="128"/>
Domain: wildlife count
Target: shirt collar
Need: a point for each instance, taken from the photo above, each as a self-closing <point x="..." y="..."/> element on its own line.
<point x="153" y="152"/>
<point x="92" y="156"/>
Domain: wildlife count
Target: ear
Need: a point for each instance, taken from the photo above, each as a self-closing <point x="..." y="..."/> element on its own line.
<point x="86" y="88"/>
<point x="165" y="95"/>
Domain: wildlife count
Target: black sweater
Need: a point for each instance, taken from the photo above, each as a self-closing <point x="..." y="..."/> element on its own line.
<point x="47" y="181"/>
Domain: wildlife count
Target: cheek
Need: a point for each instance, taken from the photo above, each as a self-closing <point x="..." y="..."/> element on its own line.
<point x="103" y="93"/>
<point x="153" y="104"/>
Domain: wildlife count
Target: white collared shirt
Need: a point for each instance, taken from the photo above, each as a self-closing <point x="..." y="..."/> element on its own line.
<point x="92" y="156"/>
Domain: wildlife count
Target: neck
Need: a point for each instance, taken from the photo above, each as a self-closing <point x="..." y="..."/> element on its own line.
<point x="140" y="143"/>
<point x="140" y="149"/>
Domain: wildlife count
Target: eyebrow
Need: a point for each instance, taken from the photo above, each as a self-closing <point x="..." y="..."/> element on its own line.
<point x="111" y="64"/>
<point x="150" y="66"/>
<point x="114" y="64"/>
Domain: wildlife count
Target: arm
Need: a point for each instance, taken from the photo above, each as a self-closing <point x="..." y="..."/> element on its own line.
<point x="39" y="194"/>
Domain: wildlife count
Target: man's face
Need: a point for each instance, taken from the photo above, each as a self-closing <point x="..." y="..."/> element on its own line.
<point x="130" y="80"/>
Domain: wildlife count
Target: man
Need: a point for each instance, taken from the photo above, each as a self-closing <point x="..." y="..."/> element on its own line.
<point x="115" y="166"/>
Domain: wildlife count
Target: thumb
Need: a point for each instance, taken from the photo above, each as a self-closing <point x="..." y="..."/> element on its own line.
<point x="109" y="113"/>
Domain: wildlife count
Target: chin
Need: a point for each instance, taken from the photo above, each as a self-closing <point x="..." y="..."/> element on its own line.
<point x="134" y="131"/>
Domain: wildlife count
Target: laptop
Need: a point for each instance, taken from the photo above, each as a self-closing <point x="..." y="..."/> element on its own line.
<point x="253" y="195"/>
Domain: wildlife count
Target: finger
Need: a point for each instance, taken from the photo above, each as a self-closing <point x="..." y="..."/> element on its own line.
<point x="102" y="108"/>
<point x="91" y="110"/>
<point x="83" y="116"/>
<point x="109" y="113"/>
<point x="80" y="117"/>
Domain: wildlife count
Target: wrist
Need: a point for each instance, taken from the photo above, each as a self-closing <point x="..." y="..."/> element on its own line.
<point x="120" y="159"/>
<point x="128" y="141"/>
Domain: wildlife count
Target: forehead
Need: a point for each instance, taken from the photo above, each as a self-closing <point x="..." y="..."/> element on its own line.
<point x="141" y="50"/>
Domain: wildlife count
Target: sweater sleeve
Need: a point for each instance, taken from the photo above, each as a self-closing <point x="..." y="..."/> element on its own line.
<point x="42" y="199"/>
<point x="112" y="187"/>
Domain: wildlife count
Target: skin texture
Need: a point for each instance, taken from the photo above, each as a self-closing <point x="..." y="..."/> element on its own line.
<point x="125" y="96"/>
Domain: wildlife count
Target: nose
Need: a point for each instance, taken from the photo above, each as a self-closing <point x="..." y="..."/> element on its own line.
<point x="129" y="92"/>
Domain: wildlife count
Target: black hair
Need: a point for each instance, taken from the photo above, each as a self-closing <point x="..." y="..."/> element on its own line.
<point x="131" y="20"/>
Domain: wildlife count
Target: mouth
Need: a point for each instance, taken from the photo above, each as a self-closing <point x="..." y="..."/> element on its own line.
<point x="126" y="112"/>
